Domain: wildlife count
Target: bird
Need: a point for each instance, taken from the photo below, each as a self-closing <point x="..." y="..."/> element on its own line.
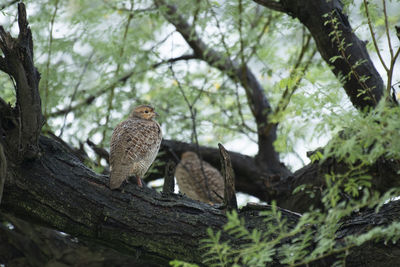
<point x="134" y="146"/>
<point x="198" y="179"/>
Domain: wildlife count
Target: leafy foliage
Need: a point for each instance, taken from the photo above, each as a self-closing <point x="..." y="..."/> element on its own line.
<point x="360" y="139"/>
<point x="100" y="58"/>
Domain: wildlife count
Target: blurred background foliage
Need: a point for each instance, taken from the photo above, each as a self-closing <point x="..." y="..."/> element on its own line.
<point x="100" y="58"/>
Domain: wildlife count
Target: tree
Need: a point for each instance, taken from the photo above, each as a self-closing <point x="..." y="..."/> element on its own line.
<point x="47" y="183"/>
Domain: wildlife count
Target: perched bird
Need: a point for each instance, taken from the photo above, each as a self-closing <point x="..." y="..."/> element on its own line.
<point x="134" y="146"/>
<point x="198" y="179"/>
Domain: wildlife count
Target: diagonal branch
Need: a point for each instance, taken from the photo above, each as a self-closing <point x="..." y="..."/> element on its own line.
<point x="363" y="84"/>
<point x="259" y="105"/>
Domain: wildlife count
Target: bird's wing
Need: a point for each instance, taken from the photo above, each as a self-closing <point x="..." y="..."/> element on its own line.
<point x="132" y="140"/>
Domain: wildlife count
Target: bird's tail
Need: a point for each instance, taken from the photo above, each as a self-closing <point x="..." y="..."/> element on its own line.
<point x="117" y="177"/>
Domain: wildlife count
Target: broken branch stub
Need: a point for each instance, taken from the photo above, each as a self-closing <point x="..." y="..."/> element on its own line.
<point x="229" y="179"/>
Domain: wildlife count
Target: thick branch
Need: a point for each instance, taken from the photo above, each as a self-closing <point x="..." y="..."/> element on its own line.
<point x="61" y="193"/>
<point x="251" y="179"/>
<point x="267" y="157"/>
<point x="26" y="244"/>
<point x="329" y="26"/>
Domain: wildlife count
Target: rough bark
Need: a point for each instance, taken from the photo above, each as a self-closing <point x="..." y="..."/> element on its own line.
<point x="315" y="15"/>
<point x="59" y="192"/>
<point x="26" y="244"/>
<point x="250" y="179"/>
<point x="18" y="63"/>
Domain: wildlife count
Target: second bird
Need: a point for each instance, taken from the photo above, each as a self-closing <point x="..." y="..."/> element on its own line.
<point x="134" y="146"/>
<point x="198" y="179"/>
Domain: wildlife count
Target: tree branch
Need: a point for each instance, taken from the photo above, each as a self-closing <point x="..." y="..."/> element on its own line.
<point x="8" y="4"/>
<point x="121" y="79"/>
<point x="267" y="157"/>
<point x="26" y="244"/>
<point x="57" y="191"/>
<point x="18" y="62"/>
<point x="352" y="60"/>
<point x="271" y="4"/>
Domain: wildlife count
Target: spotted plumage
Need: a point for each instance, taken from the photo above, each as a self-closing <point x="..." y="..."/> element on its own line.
<point x="134" y="146"/>
<point x="198" y="179"/>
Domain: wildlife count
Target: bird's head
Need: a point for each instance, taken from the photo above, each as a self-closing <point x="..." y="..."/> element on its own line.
<point x="144" y="112"/>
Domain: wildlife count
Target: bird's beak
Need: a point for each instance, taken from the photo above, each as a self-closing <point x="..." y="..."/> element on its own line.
<point x="156" y="114"/>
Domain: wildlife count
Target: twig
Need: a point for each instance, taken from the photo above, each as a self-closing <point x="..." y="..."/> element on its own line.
<point x="393" y="57"/>
<point x="194" y="132"/>
<point x="123" y="78"/>
<point x="121" y="53"/>
<point x="75" y="91"/>
<point x="387" y="28"/>
<point x="257" y="100"/>
<point x="373" y="35"/>
<point x="289" y="91"/>
<point x="8" y="4"/>
<point x="337" y="36"/>
<point x="46" y="86"/>
<point x="101" y="152"/>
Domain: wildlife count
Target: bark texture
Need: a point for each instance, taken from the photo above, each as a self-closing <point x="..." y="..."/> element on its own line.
<point x="18" y="63"/>
<point x="254" y="181"/>
<point x="59" y="192"/>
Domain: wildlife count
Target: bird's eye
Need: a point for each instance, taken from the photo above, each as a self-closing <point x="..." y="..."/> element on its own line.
<point x="146" y="111"/>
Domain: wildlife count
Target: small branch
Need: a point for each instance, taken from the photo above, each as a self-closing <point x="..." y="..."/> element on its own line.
<point x="259" y="104"/>
<point x="101" y="152"/>
<point x="46" y="85"/>
<point x="289" y="91"/>
<point x="387" y="28"/>
<point x="229" y="179"/>
<point x="192" y="111"/>
<point x="112" y="91"/>
<point x="312" y="14"/>
<point x="8" y="4"/>
<point x="373" y="36"/>
<point x="173" y="60"/>
<point x="123" y="78"/>
<point x="75" y="91"/>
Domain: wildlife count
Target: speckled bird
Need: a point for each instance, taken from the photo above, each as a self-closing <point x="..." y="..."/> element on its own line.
<point x="191" y="173"/>
<point x="134" y="146"/>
